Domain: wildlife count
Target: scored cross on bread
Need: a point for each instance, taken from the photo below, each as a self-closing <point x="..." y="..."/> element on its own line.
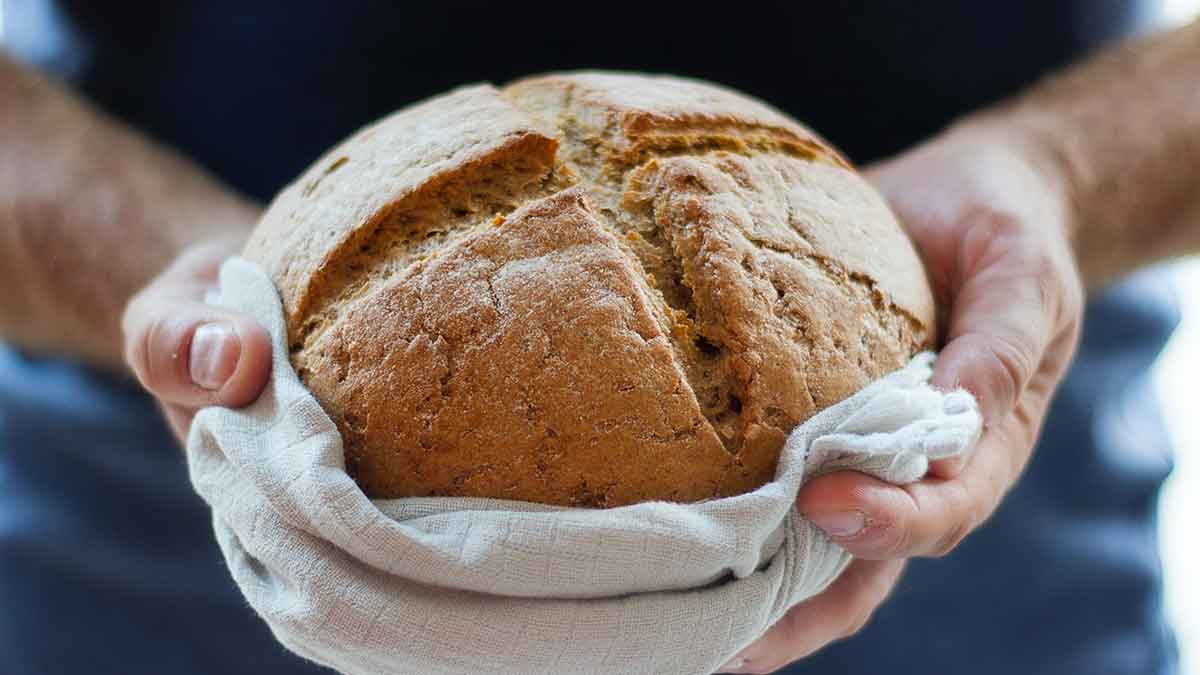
<point x="586" y="289"/>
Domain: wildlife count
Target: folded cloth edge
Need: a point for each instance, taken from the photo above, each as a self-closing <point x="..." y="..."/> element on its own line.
<point x="289" y="521"/>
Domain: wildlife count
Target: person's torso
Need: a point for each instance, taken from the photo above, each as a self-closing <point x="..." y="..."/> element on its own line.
<point x="255" y="91"/>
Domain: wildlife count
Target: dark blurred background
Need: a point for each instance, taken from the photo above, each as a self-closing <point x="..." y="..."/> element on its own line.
<point x="255" y="91"/>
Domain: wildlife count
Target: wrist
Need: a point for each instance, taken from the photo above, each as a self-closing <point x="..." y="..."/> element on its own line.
<point x="1049" y="185"/>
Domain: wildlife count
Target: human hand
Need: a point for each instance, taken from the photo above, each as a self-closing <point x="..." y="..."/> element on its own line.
<point x="992" y="221"/>
<point x="189" y="354"/>
<point x="836" y="613"/>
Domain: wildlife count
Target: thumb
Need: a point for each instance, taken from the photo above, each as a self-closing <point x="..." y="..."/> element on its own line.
<point x="191" y="354"/>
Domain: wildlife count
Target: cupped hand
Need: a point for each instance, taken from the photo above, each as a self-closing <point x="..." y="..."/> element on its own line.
<point x="189" y="354"/>
<point x="992" y="221"/>
<point x="836" y="613"/>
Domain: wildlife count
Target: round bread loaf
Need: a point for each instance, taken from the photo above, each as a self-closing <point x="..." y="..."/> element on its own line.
<point x="586" y="289"/>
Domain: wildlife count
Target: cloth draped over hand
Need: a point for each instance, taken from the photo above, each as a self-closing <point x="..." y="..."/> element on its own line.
<point x="467" y="585"/>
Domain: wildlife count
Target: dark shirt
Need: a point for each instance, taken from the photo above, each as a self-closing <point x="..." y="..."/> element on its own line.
<point x="107" y="560"/>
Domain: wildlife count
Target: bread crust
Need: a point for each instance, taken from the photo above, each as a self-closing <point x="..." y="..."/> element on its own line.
<point x="586" y="289"/>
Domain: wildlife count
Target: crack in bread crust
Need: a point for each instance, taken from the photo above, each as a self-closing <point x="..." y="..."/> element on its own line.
<point x="699" y="348"/>
<point x="473" y="397"/>
<point x="410" y="230"/>
<point x="736" y="307"/>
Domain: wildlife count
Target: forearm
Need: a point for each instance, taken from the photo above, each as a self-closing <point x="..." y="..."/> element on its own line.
<point x="1121" y="135"/>
<point x="89" y="212"/>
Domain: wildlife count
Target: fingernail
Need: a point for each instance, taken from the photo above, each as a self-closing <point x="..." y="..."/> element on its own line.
<point x="840" y="524"/>
<point x="214" y="355"/>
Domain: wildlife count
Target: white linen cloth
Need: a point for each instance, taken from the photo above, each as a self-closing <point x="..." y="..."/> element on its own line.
<point x="452" y="585"/>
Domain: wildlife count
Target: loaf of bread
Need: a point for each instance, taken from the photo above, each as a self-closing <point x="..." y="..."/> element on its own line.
<point x="586" y="289"/>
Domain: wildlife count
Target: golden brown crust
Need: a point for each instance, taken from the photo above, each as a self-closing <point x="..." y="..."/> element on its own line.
<point x="588" y="289"/>
<point x="408" y="159"/>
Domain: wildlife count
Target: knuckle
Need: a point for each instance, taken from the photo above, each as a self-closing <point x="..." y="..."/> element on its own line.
<point x="894" y="528"/>
<point x="963" y="512"/>
<point x="1069" y="312"/>
<point x="1060" y="288"/>
<point x="1013" y="365"/>
<point x="858" y="621"/>
<point x="136" y="352"/>
<point x="1048" y="261"/>
<point x="1004" y="222"/>
<point x="950" y="540"/>
<point x="1044" y="265"/>
<point x="899" y="539"/>
<point x="159" y="352"/>
<point x="991" y="236"/>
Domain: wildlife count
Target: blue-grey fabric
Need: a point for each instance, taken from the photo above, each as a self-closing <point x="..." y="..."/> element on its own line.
<point x="107" y="559"/>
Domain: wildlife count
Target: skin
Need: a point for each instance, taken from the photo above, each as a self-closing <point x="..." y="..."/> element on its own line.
<point x="1015" y="211"/>
<point x="164" y="349"/>
<point x="77" y="188"/>
<point x="993" y="231"/>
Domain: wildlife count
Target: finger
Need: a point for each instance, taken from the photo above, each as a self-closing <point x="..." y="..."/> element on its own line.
<point x="1002" y="317"/>
<point x="838" y="612"/>
<point x="179" y="420"/>
<point x="876" y="520"/>
<point x="947" y="467"/>
<point x="202" y="262"/>
<point x="192" y="354"/>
